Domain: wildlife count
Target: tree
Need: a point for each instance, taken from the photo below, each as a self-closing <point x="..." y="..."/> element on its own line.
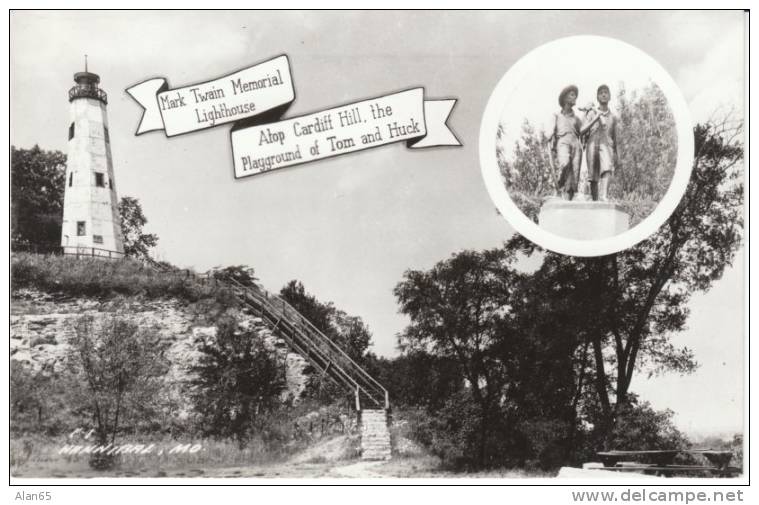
<point x="243" y="274"/>
<point x="237" y="383"/>
<point x="37" y="185"/>
<point x="459" y="311"/>
<point x="647" y="150"/>
<point x="496" y="381"/>
<point x="527" y="173"/>
<point x="626" y="306"/>
<point x="547" y="358"/>
<point x="416" y="378"/>
<point x="37" y="189"/>
<point x="318" y="313"/>
<point x="136" y="243"/>
<point x="119" y="370"/>
<point x="350" y="333"/>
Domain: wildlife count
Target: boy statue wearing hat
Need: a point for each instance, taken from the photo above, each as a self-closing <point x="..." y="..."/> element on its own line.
<point x="565" y="138"/>
<point x="601" y="146"/>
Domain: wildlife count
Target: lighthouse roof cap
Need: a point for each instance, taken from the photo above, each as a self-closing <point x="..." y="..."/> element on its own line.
<point x="86" y="78"/>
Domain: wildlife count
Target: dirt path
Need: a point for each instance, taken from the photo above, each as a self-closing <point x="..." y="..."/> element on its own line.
<point x="360" y="470"/>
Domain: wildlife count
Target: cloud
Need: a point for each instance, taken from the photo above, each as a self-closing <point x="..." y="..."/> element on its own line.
<point x="716" y="81"/>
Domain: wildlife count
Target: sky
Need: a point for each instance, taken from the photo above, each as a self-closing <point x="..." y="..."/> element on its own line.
<point x="348" y="227"/>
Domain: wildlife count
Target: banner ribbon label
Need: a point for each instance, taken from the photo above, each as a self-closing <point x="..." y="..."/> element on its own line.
<point x="243" y="94"/>
<point x="402" y="116"/>
<point x="254" y="98"/>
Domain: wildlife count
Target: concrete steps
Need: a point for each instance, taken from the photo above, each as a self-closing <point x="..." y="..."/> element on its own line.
<point x="375" y="435"/>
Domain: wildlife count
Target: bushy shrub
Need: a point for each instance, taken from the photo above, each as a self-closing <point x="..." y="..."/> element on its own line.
<point x="37" y="401"/>
<point x="638" y="427"/>
<point x="544" y="443"/>
<point x="119" y="369"/>
<point x="454" y="433"/>
<point x="237" y="384"/>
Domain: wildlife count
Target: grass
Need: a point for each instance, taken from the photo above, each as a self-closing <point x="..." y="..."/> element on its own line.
<point x="103" y="278"/>
<point x="37" y="457"/>
<point x="428" y="466"/>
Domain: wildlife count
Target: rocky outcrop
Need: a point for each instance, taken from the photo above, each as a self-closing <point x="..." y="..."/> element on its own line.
<point x="41" y="324"/>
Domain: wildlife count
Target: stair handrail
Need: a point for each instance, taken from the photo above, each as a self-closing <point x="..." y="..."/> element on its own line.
<point x="313" y="329"/>
<point x="312" y="347"/>
<point x="265" y="297"/>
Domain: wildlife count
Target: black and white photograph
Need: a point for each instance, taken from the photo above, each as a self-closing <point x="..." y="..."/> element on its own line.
<point x="377" y="247"/>
<point x="612" y="145"/>
<point x="590" y="137"/>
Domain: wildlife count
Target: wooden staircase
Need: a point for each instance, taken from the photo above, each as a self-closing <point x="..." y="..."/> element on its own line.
<point x="372" y="402"/>
<point x="308" y="341"/>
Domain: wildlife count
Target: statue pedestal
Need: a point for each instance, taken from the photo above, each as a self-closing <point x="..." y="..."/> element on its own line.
<point x="583" y="220"/>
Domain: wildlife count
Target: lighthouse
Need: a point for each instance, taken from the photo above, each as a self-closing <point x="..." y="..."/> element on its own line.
<point x="91" y="223"/>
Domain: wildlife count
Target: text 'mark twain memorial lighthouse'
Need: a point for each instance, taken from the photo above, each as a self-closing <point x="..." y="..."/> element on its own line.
<point x="91" y="223"/>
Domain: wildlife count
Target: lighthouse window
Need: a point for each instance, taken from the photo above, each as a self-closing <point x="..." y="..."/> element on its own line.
<point x="105" y="134"/>
<point x="71" y="131"/>
<point x="71" y="178"/>
<point x="81" y="228"/>
<point x="98" y="239"/>
<point x="99" y="180"/>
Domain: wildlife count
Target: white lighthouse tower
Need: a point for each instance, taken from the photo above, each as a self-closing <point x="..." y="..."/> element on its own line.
<point x="91" y="224"/>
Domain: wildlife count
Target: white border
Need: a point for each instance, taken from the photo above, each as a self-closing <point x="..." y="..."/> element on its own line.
<point x="524" y="225"/>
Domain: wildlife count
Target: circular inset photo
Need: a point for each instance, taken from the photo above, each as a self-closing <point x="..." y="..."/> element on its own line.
<point x="586" y="146"/>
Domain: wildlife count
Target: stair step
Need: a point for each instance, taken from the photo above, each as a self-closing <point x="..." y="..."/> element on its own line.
<point x="375" y="435"/>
